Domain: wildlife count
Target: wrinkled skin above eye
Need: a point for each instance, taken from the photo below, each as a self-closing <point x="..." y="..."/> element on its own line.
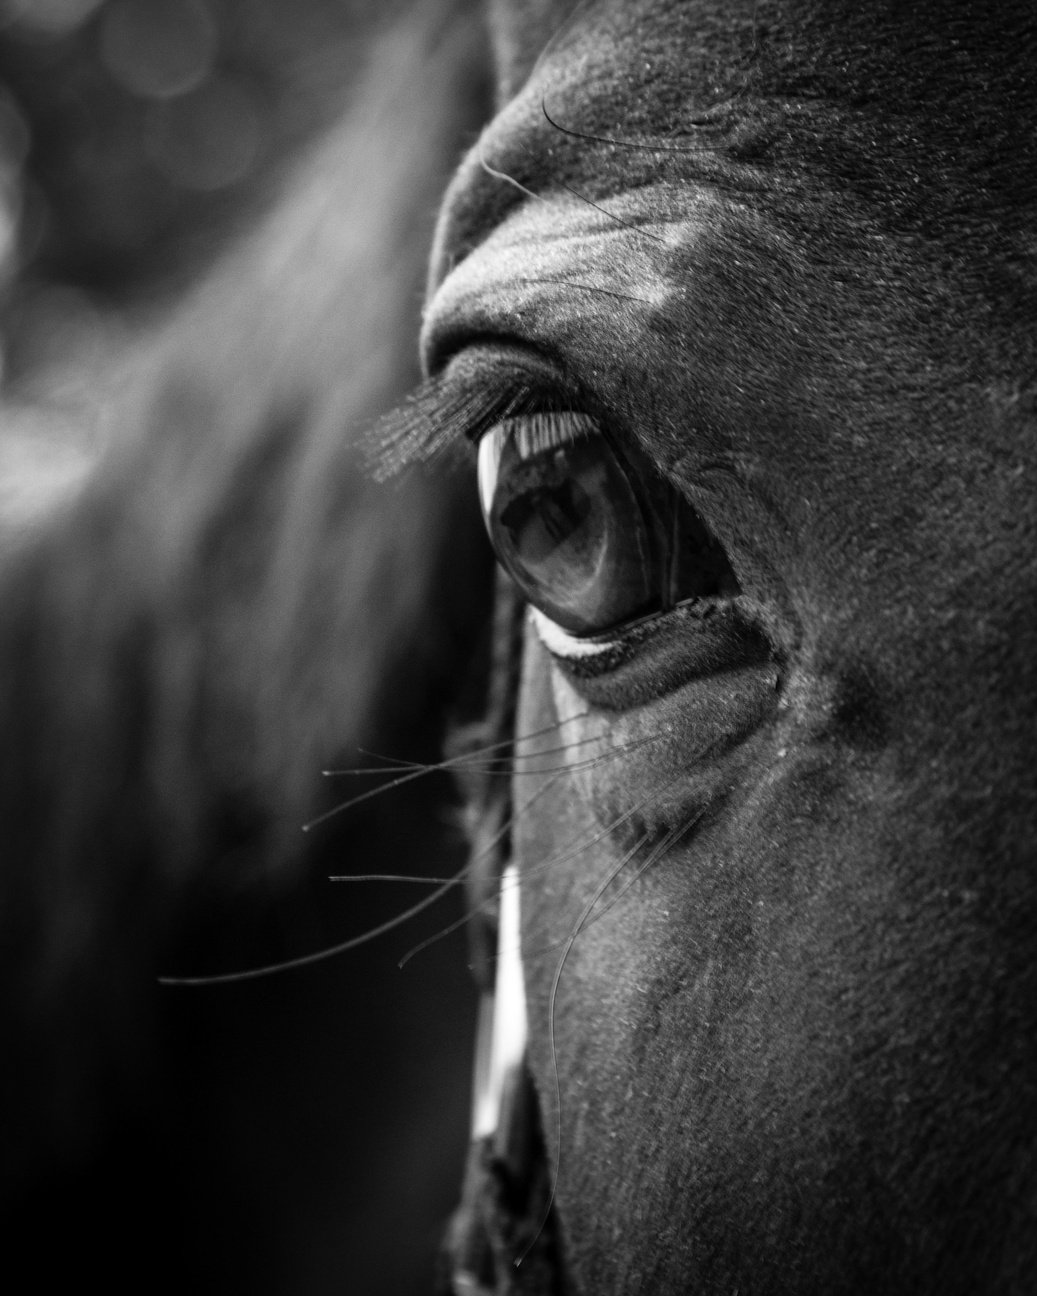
<point x="592" y="541"/>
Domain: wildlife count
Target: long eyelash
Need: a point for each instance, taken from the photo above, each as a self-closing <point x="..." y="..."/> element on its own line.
<point x="537" y="433"/>
<point x="436" y="420"/>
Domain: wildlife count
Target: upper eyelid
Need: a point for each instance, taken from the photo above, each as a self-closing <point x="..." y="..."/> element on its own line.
<point x="473" y="389"/>
<point x="441" y="414"/>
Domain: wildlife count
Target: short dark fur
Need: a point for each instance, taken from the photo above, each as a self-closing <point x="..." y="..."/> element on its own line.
<point x="798" y="1057"/>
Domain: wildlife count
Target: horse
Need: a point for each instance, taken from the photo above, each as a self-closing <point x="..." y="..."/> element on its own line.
<point x="731" y="310"/>
<point x="734" y="304"/>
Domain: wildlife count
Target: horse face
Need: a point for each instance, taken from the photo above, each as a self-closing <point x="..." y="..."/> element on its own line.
<point x="767" y="271"/>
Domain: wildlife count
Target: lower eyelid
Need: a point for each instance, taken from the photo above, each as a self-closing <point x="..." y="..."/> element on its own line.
<point x="560" y="643"/>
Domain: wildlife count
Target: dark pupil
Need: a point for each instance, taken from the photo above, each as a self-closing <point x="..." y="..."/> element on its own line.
<point x="589" y="543"/>
<point x="550" y="513"/>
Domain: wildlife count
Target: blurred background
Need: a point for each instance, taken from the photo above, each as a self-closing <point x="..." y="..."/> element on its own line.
<point x="138" y="136"/>
<point x="304" y="1133"/>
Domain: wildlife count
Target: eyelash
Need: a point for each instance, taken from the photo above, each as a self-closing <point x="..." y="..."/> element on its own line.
<point x="445" y="418"/>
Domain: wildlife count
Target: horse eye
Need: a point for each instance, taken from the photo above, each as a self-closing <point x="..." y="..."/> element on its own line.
<point x="593" y="539"/>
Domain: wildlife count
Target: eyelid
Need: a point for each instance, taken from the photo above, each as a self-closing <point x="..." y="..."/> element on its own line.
<point x="548" y="429"/>
<point x="560" y="643"/>
<point x="437" y="418"/>
<point x="492" y="381"/>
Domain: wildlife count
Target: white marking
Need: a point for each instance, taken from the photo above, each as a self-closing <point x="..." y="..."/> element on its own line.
<point x="560" y="643"/>
<point x="502" y="1035"/>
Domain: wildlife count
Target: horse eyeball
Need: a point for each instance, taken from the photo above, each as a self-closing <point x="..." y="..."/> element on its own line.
<point x="593" y="542"/>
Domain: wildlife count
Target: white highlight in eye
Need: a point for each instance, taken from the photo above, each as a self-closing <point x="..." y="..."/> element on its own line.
<point x="561" y="644"/>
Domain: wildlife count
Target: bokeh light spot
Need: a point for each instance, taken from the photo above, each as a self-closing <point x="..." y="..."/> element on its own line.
<point x="158" y="49"/>
<point x="47" y="17"/>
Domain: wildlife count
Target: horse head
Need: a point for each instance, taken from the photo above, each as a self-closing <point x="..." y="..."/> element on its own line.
<point x="736" y="303"/>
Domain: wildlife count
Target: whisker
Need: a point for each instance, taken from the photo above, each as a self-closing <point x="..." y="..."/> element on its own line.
<point x="497" y="174"/>
<point x="442" y="885"/>
<point x="398" y="762"/>
<point x="703" y="120"/>
<point x="570" y="767"/>
<point x="610" y="876"/>
<point x="442" y="888"/>
<point x="503" y="175"/>
<point x="318" y="956"/>
<point x="382" y="788"/>
<point x="569" y="852"/>
<point x="620" y="220"/>
<point x="396" y="877"/>
<point x="450" y="763"/>
<point x="475" y="910"/>
<point x="667" y="843"/>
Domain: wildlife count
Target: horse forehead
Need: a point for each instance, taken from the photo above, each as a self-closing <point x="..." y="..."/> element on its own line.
<point x="922" y="116"/>
<point x="567" y="268"/>
<point x="896" y="101"/>
<point x="932" y="50"/>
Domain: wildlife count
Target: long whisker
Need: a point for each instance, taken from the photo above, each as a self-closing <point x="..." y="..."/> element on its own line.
<point x="417" y="878"/>
<point x="667" y="843"/>
<point x="491" y="767"/>
<point x="442" y="887"/>
<point x="450" y="763"/>
<point x="577" y="847"/>
<point x="531" y="193"/>
<point x="570" y="851"/>
<point x="620" y="220"/>
<point x="574" y="767"/>
<point x="503" y="175"/>
<point x="647" y="146"/>
<point x="475" y="910"/>
<point x="318" y="956"/>
<point x="610" y="876"/>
